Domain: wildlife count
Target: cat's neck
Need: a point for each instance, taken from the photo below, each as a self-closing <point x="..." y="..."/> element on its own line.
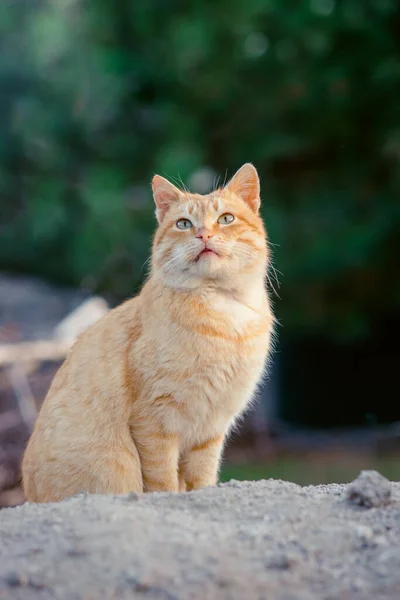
<point x="247" y="290"/>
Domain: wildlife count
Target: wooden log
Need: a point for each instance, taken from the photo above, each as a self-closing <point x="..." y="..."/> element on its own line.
<point x="27" y="352"/>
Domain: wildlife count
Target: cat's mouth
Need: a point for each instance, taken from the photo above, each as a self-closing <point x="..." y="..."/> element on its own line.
<point x="205" y="253"/>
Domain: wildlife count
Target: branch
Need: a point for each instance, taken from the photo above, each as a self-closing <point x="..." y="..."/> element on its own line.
<point x="46" y="350"/>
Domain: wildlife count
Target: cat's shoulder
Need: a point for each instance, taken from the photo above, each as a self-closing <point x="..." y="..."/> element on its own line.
<point x="124" y="317"/>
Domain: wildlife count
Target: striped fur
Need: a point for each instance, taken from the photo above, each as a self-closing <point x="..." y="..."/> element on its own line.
<point x="148" y="395"/>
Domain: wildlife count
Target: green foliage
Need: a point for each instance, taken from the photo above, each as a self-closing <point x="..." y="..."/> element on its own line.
<point x="317" y="469"/>
<point x="96" y="97"/>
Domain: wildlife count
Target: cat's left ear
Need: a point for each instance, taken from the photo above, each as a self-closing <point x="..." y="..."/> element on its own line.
<point x="246" y="184"/>
<point x="165" y="193"/>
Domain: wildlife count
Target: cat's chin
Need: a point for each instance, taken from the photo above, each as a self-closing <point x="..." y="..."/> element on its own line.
<point x="206" y="254"/>
<point x="209" y="267"/>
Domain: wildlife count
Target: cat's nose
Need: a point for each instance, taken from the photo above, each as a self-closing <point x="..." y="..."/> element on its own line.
<point x="204" y="234"/>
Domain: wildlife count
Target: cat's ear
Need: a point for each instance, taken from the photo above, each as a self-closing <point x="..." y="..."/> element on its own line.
<point x="246" y="184"/>
<point x="164" y="193"/>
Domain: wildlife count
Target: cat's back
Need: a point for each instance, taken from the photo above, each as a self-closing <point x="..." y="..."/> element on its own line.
<point x="98" y="352"/>
<point x="94" y="372"/>
<point x="86" y="404"/>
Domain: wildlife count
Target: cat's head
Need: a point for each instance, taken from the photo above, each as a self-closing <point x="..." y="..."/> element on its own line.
<point x="219" y="237"/>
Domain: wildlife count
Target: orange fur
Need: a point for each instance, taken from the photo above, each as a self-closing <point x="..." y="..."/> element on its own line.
<point x="148" y="394"/>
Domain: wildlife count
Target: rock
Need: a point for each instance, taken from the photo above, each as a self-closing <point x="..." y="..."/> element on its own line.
<point x="280" y="562"/>
<point x="77" y="551"/>
<point x="370" y="489"/>
<point x="132" y="497"/>
<point x="213" y="543"/>
<point x="15" y="579"/>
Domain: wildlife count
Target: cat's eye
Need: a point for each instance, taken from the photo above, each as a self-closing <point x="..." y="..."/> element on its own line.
<point x="225" y="219"/>
<point x="184" y="224"/>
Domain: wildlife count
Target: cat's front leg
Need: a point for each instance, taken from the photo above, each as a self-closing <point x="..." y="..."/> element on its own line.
<point x="181" y="478"/>
<point x="201" y="464"/>
<point x="159" y="452"/>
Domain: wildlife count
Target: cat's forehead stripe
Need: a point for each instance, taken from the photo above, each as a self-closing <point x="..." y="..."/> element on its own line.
<point x="203" y="205"/>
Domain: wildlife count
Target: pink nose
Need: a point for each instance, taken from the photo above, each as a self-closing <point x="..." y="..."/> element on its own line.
<point x="204" y="235"/>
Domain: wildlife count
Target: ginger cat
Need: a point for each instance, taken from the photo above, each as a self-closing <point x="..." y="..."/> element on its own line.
<point x="148" y="394"/>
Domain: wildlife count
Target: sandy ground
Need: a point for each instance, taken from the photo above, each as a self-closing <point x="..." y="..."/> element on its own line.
<point x="266" y="540"/>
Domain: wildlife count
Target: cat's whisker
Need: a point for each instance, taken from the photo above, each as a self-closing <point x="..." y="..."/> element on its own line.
<point x="272" y="287"/>
<point x="216" y="182"/>
<point x="179" y="183"/>
<point x="274" y="271"/>
<point x="146" y="263"/>
<point x="225" y="178"/>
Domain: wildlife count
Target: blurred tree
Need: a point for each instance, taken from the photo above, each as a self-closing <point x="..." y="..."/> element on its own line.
<point x="96" y="97"/>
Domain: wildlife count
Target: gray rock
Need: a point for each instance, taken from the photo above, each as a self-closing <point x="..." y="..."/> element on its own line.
<point x="266" y="540"/>
<point x="370" y="489"/>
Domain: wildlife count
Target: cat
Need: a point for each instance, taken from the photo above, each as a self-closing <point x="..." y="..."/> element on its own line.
<point x="148" y="394"/>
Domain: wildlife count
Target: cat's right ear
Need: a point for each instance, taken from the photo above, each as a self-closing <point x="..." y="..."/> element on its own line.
<point x="164" y="193"/>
